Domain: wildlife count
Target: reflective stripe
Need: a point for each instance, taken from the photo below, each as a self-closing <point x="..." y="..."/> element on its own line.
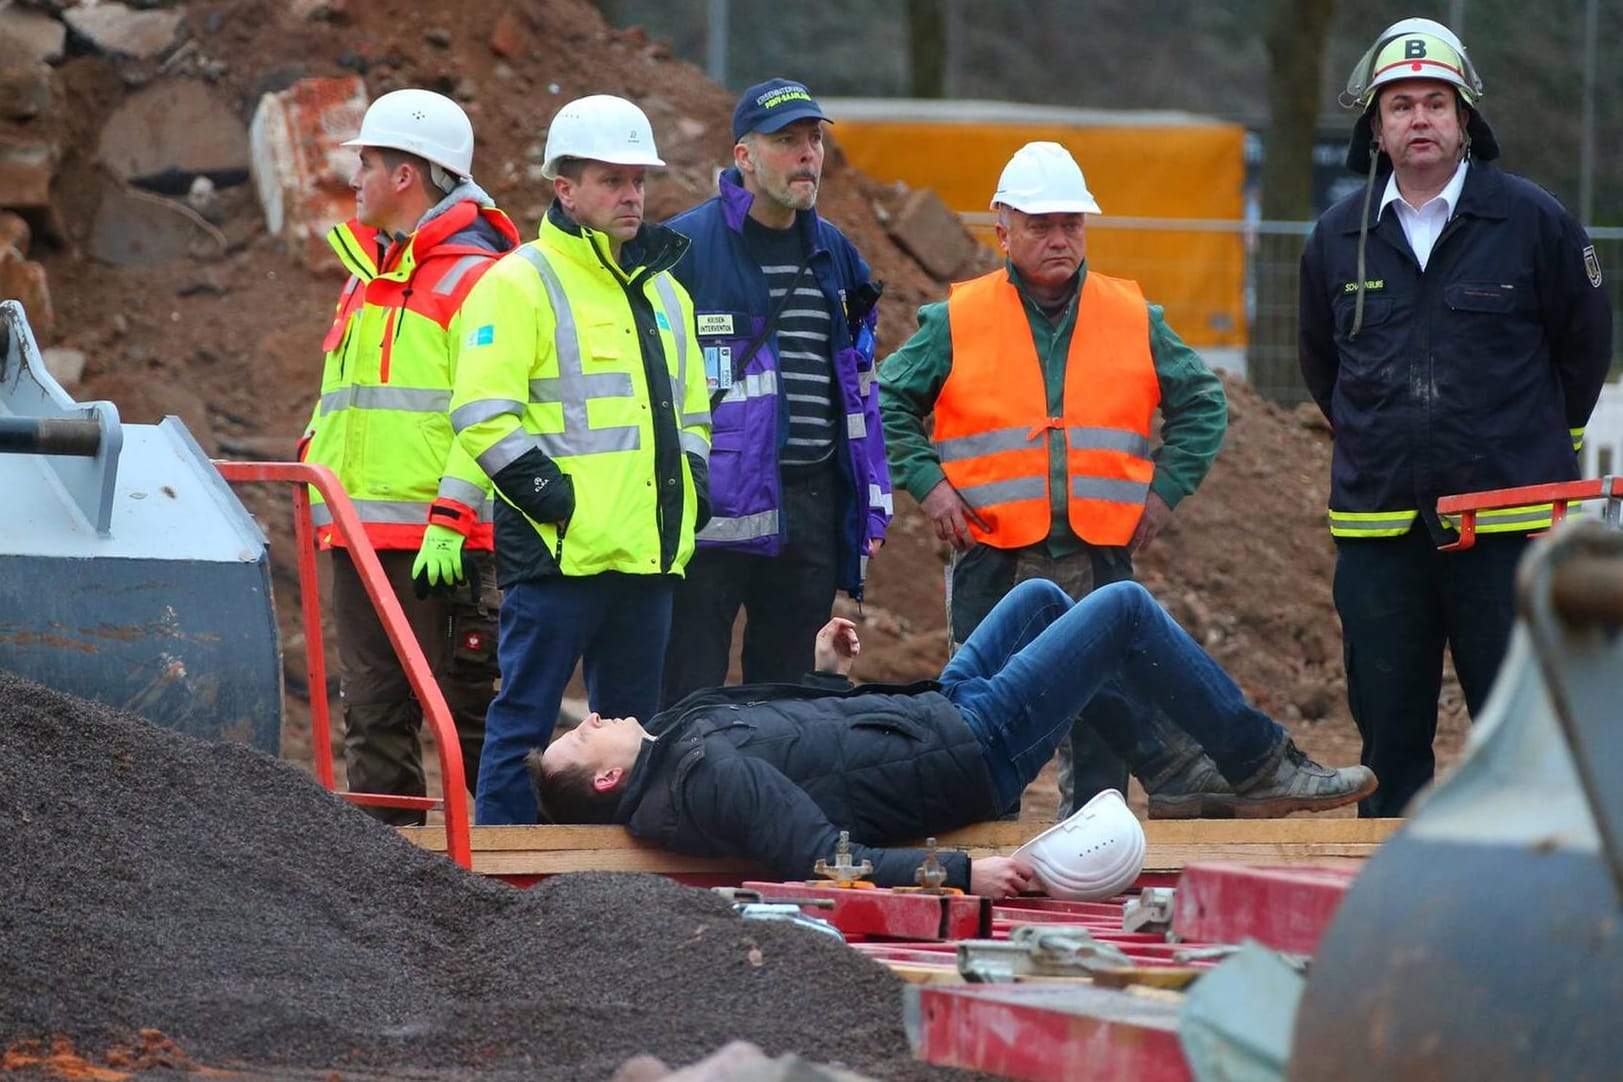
<point x="691" y="420"/>
<point x="694" y="444"/>
<point x="864" y="381"/>
<point x="485" y="409"/>
<point x="1021" y="488"/>
<point x="572" y="387"/>
<point x="447" y="285"/>
<point x="742" y="528"/>
<point x="856" y="426"/>
<point x="1108" y="439"/>
<point x="463" y="492"/>
<point x="755" y="385"/>
<point x="1535" y="516"/>
<point x="1110" y="489"/>
<point x="397" y="512"/>
<point x="880" y="500"/>
<point x="505" y="451"/>
<point x="986" y="443"/>
<point x="603" y="441"/>
<point x="679" y="330"/>
<point x="1370" y="523"/>
<point x="1577" y="435"/>
<point x="403" y="399"/>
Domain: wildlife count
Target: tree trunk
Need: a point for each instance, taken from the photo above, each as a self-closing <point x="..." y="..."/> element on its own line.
<point x="926" y="48"/>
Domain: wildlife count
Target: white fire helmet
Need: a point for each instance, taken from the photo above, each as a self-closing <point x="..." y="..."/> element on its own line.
<point x="1095" y="854"/>
<point x="600" y="127"/>
<point x="1043" y="178"/>
<point x="1413" y="49"/>
<point x="420" y="122"/>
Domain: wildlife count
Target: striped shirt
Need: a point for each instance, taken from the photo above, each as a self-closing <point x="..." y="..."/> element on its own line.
<point x="804" y="342"/>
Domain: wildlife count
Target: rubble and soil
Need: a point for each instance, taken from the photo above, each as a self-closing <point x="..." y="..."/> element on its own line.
<point x="214" y="907"/>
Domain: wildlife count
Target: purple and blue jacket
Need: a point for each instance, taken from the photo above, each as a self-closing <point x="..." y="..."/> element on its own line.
<point x="750" y="424"/>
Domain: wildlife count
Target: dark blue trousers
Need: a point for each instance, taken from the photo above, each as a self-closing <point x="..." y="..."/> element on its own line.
<point x="614" y="625"/>
<point x="1401" y="601"/>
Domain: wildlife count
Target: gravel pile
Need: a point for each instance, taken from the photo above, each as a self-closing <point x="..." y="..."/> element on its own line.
<point x="223" y="898"/>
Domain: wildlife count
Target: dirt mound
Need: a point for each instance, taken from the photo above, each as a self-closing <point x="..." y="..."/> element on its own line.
<point x="218" y="896"/>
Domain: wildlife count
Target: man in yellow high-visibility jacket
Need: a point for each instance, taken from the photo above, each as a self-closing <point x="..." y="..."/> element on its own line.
<point x="423" y="234"/>
<point x="580" y="392"/>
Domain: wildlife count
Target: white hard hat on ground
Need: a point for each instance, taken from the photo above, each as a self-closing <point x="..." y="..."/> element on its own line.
<point x="1413" y="49"/>
<point x="420" y="122"/>
<point x="1095" y="854"/>
<point x="1043" y="178"/>
<point x="600" y="127"/>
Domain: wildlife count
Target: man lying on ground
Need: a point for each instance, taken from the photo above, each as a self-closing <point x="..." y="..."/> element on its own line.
<point x="773" y="772"/>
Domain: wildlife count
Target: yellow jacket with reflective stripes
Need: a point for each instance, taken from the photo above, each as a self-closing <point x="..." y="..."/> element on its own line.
<point x="382" y="423"/>
<point x="567" y="353"/>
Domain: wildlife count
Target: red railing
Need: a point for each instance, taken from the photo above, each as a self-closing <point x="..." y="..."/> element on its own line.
<point x="1560" y="496"/>
<point x="435" y="711"/>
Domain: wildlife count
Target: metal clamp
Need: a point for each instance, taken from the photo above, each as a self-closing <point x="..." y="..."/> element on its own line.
<point x="1150" y="912"/>
<point x="842" y="871"/>
<point x="1037" y="950"/>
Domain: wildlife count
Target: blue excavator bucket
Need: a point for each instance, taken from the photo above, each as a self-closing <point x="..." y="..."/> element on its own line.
<point x="130" y="573"/>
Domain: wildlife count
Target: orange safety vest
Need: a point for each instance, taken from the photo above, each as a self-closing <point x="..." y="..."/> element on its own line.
<point x="991" y="418"/>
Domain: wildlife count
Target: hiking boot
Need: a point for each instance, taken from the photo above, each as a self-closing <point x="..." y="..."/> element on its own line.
<point x="1197" y="791"/>
<point x="1293" y="783"/>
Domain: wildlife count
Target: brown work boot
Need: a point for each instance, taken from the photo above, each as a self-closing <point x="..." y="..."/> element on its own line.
<point x="1291" y="783"/>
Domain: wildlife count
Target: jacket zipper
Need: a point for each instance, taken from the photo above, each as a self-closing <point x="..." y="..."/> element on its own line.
<point x="391" y="334"/>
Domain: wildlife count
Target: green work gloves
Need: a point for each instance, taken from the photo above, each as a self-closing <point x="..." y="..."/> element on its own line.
<point x="440" y="562"/>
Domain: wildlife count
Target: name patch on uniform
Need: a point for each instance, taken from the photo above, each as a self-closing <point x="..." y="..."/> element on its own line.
<point x="715" y="322"/>
<point x="481" y="336"/>
<point x="1592" y="266"/>
<point x="1369" y="284"/>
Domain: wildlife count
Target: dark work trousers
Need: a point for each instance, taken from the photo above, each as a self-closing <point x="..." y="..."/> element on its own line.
<point x="1400" y="601"/>
<point x="615" y="625"/>
<point x="382" y="716"/>
<point x="786" y="598"/>
<point x="1113" y="734"/>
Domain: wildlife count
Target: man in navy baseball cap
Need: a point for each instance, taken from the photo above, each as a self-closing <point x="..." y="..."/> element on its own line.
<point x="766" y="107"/>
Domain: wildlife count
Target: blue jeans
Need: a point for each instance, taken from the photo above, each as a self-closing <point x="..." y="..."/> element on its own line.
<point x="615" y="625"/>
<point x="1038" y="658"/>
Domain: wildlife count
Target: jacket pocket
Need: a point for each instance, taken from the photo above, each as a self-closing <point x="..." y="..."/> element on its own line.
<point x="1490" y="297"/>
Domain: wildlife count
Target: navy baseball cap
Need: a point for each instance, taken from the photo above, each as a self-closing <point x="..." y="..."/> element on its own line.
<point x="766" y="107"/>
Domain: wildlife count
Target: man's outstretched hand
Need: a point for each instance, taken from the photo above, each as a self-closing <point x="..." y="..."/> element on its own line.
<point x="837" y="646"/>
<point x="999" y="877"/>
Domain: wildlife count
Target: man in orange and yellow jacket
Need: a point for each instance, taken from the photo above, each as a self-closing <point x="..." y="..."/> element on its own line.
<point x="423" y="234"/>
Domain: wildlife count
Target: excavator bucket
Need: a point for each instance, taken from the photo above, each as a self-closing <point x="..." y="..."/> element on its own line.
<point x="130" y="573"/>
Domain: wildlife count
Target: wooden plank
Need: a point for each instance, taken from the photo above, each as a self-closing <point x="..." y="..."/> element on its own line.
<point x="550" y="850"/>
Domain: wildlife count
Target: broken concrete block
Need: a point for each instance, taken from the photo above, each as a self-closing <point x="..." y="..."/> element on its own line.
<point x="29" y="37"/>
<point x="931" y="233"/>
<point x="25" y="91"/>
<point x="118" y="31"/>
<point x="134" y="229"/>
<point x="66" y="366"/>
<point x="300" y="168"/>
<point x="23" y="280"/>
<point x="14" y="231"/>
<point x="26" y="167"/>
<point x="167" y="134"/>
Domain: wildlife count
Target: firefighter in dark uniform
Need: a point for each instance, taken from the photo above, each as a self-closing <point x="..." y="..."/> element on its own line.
<point x="1455" y="333"/>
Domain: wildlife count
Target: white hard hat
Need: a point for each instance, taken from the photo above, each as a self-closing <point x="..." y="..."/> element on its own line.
<point x="1043" y="178"/>
<point x="420" y="122"/>
<point x="1095" y="854"/>
<point x="602" y="128"/>
<point x="1413" y="49"/>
